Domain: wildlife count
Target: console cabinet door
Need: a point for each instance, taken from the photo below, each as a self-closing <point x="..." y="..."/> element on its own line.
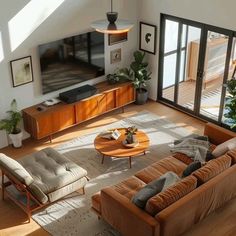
<point x="44" y="126"/>
<point x="63" y="118"/>
<point x="125" y="95"/>
<point x="111" y="100"/>
<point x="87" y="109"/>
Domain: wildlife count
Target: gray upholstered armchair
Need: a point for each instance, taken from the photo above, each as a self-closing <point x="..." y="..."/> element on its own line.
<point x="39" y="179"/>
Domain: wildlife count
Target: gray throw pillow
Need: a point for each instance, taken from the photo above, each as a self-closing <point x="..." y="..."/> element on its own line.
<point x="151" y="189"/>
<point x="194" y="136"/>
<point x="191" y="168"/>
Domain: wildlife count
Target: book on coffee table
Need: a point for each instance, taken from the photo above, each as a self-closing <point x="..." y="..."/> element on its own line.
<point x="110" y="134"/>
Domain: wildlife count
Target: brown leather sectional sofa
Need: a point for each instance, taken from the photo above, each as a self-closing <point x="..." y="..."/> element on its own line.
<point x="175" y="210"/>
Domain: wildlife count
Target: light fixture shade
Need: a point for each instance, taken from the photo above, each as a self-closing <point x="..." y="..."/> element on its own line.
<point x="119" y="27"/>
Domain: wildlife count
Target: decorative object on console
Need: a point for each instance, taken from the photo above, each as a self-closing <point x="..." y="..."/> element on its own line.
<point x="119" y="76"/>
<point x="21" y="70"/>
<point x="147" y="37"/>
<point x="115" y="56"/>
<point x="51" y="102"/>
<point x="11" y="125"/>
<point x="111" y="25"/>
<point x="140" y="77"/>
<point x="117" y="38"/>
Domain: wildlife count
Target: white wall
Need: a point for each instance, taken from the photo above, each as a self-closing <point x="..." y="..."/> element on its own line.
<point x="69" y="18"/>
<point x="215" y="12"/>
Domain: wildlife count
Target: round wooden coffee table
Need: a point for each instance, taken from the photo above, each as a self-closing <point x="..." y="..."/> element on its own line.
<point x="115" y="148"/>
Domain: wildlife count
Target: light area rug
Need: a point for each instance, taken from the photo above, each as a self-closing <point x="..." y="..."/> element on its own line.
<point x="73" y="215"/>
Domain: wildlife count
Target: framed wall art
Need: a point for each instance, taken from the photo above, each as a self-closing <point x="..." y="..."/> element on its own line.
<point x="115" y="56"/>
<point x="147" y="37"/>
<point x="21" y="71"/>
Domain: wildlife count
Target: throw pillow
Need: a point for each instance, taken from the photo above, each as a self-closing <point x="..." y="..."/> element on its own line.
<point x="224" y="147"/>
<point x="191" y="168"/>
<point x="151" y="189"/>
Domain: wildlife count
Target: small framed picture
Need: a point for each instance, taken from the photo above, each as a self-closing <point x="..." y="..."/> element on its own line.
<point x="147" y="37"/>
<point x="117" y="38"/>
<point x="115" y="56"/>
<point x="21" y="71"/>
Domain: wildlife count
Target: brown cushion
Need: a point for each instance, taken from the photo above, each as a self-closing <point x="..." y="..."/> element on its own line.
<point x="170" y="195"/>
<point x="129" y="187"/>
<point x="222" y="148"/>
<point x="212" y="168"/>
<point x="232" y="154"/>
<point x="159" y="168"/>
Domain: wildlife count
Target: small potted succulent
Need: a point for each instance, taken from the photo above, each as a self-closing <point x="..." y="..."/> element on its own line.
<point x="11" y="125"/>
<point x="130" y="132"/>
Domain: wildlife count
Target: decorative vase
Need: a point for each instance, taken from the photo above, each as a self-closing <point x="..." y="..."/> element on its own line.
<point x="16" y="139"/>
<point x="130" y="138"/>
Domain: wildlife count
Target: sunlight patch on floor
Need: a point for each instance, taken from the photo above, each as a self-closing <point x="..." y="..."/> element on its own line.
<point x="1" y="48"/>
<point x="29" y="18"/>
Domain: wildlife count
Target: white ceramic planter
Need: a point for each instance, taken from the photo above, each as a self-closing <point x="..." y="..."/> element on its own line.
<point x="16" y="139"/>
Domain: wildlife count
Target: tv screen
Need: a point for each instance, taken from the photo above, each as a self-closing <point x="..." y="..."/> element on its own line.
<point x="71" y="60"/>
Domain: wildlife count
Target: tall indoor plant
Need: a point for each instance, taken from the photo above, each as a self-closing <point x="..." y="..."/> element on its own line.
<point x="140" y="76"/>
<point x="11" y="125"/>
<point x="230" y="104"/>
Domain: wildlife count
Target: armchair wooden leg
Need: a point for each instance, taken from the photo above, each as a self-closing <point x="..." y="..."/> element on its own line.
<point x="28" y="207"/>
<point x="3" y="186"/>
<point x="83" y="191"/>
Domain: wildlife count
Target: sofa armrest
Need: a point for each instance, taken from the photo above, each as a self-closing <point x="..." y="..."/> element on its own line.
<point x="217" y="134"/>
<point x="124" y="216"/>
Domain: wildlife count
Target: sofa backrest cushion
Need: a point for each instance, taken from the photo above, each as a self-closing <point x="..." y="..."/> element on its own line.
<point x="232" y="154"/>
<point x="222" y="148"/>
<point x="15" y="169"/>
<point x="170" y="195"/>
<point x="212" y="169"/>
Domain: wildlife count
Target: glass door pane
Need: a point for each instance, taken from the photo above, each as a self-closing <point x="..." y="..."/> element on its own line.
<point x="188" y="66"/>
<point x="215" y="59"/>
<point x="170" y="59"/>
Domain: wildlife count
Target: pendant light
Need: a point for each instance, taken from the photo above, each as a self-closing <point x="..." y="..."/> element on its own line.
<point x="112" y="25"/>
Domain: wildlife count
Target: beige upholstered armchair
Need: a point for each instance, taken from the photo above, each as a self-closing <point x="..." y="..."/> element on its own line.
<point x="40" y="179"/>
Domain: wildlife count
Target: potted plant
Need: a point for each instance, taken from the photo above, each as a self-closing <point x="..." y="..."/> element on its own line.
<point x="230" y="104"/>
<point x="130" y="132"/>
<point x="119" y="76"/>
<point x="140" y="77"/>
<point x="11" y="125"/>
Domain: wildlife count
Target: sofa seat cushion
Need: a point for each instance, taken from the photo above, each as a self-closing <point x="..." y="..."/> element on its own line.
<point x="129" y="187"/>
<point x="50" y="170"/>
<point x="16" y="169"/>
<point x="159" y="168"/>
<point x="170" y="195"/>
<point x="212" y="169"/>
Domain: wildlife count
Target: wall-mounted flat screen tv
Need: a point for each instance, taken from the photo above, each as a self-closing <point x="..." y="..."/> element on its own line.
<point x="71" y="60"/>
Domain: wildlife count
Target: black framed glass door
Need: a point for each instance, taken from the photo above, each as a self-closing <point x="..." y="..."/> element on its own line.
<point x="195" y="60"/>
